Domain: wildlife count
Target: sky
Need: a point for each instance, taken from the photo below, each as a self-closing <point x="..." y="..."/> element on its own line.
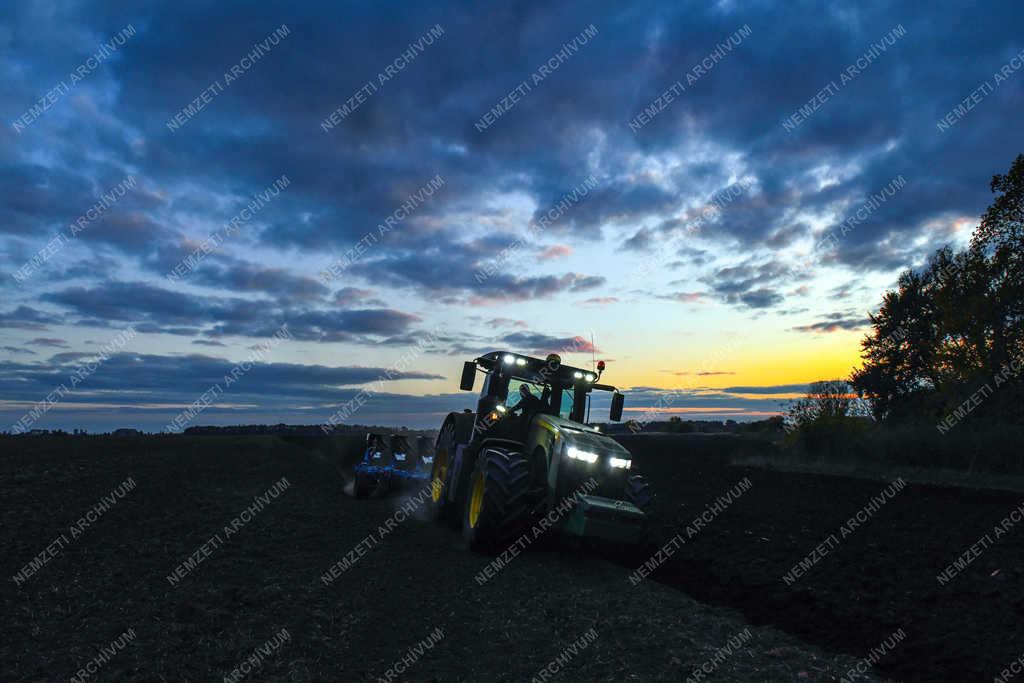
<point x="262" y="212"/>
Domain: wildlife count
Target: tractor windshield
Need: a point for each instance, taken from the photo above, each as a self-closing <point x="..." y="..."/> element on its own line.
<point x="554" y="399"/>
<point x="515" y="389"/>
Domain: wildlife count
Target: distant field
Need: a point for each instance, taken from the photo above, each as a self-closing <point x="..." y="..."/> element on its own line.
<point x="266" y="576"/>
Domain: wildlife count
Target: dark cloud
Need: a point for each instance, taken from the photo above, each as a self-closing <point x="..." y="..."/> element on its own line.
<point x="347" y="181"/>
<point x="50" y="342"/>
<point x="487" y="270"/>
<point x="239" y="276"/>
<point x="154" y="309"/>
<point x="133" y="379"/>
<point x="543" y="344"/>
<point x="770" y="389"/>
<point x="752" y="284"/>
<point x="16" y="349"/>
<point x="834" y="322"/>
<point x="28" y="318"/>
<point x="505" y="322"/>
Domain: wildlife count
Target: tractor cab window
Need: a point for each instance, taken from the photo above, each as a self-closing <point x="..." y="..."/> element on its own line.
<point x="514" y="396"/>
<point x="565" y="409"/>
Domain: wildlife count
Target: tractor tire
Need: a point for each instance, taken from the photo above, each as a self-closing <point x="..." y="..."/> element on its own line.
<point x="497" y="500"/>
<point x="443" y="510"/>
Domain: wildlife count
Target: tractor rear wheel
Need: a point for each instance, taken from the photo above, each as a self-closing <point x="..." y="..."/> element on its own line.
<point x="442" y="509"/>
<point x="497" y="502"/>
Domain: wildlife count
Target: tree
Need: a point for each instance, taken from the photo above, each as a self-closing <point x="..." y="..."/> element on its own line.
<point x="955" y="324"/>
<point x="828" y="400"/>
<point x="1000" y="238"/>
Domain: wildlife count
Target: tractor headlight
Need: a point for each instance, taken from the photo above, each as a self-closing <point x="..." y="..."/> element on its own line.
<point x="577" y="454"/>
<point x="590" y="378"/>
<point x="577" y="375"/>
<point x="620" y="462"/>
<point x="509" y="359"/>
<point x="400" y="457"/>
<point x="520" y="361"/>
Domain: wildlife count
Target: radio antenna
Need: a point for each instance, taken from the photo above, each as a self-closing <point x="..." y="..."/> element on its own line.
<point x="593" y="357"/>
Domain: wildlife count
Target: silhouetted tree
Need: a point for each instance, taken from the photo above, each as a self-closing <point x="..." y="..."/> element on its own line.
<point x="955" y="324"/>
<point x="827" y="400"/>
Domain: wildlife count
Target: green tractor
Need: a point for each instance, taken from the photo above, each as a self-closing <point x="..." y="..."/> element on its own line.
<point x="528" y="453"/>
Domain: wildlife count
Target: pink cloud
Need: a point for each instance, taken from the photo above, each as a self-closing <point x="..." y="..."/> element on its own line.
<point x="555" y="252"/>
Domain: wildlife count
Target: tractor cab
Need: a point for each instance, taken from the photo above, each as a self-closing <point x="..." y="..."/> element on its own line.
<point x="518" y="388"/>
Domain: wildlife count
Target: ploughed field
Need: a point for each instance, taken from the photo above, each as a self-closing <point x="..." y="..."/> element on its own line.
<point x="198" y="558"/>
<point x="862" y="581"/>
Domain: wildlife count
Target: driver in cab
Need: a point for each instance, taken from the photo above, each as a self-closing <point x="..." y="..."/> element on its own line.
<point x="528" y="403"/>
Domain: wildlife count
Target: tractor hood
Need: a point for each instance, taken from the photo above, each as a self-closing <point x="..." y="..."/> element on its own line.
<point x="585" y="438"/>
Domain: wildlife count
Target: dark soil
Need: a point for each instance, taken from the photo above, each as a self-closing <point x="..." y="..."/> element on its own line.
<point x="267" y="577"/>
<point x="879" y="579"/>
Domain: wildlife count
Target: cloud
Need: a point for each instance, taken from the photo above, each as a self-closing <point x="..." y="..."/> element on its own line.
<point x="835" y="322"/>
<point x="684" y="297"/>
<point x="767" y="389"/>
<point x="15" y="349"/>
<point x="49" y="341"/>
<point x="488" y="270"/>
<point x="542" y="344"/>
<point x="241" y="276"/>
<point x="554" y="252"/>
<point x="27" y="318"/>
<point x="134" y="378"/>
<point x="505" y="322"/>
<point x="599" y="301"/>
<point x="642" y="240"/>
<point x="751" y="284"/>
<point x="154" y="309"/>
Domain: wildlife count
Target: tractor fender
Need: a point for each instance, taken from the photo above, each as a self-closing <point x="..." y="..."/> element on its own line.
<point x="463" y="426"/>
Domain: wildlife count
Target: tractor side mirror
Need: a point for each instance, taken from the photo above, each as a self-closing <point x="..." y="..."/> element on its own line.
<point x="617" y="402"/>
<point x="468" y="376"/>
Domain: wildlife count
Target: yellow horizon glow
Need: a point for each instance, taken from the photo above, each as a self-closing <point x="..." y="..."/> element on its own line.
<point x="781" y="360"/>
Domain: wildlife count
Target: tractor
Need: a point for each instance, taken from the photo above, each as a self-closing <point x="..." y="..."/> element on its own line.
<point x="528" y="452"/>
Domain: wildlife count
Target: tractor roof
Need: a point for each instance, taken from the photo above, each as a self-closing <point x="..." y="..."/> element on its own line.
<point x="529" y="367"/>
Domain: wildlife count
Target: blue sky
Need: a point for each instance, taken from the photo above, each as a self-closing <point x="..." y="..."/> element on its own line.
<point x="715" y="193"/>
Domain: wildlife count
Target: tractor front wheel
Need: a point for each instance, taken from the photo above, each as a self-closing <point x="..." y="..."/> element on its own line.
<point x="497" y="500"/>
